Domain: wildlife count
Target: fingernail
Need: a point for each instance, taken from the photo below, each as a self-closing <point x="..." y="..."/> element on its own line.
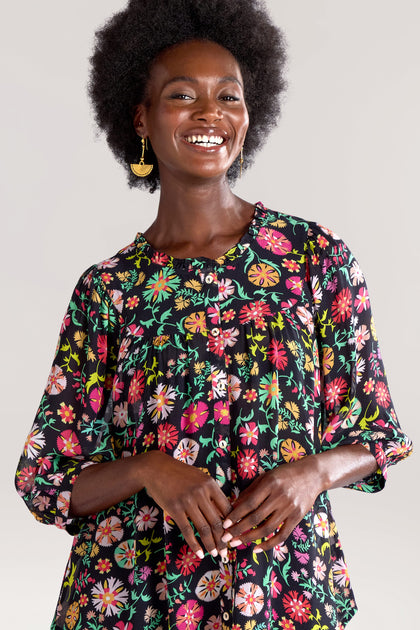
<point x="236" y="542"/>
<point x="228" y="523"/>
<point x="200" y="554"/>
<point x="226" y="537"/>
<point x="214" y="553"/>
<point x="223" y="552"/>
<point x="257" y="550"/>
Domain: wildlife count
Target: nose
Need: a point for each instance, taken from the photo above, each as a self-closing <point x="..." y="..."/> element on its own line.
<point x="208" y="110"/>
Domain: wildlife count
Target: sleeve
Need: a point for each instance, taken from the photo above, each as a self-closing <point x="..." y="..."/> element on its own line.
<point x="356" y="402"/>
<point x="72" y="425"/>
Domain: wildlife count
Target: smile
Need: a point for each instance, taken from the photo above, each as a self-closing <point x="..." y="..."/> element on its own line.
<point x="205" y="141"/>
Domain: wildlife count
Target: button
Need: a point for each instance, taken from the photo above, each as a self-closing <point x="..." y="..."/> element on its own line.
<point x="215" y="332"/>
<point x="225" y="559"/>
<point x="209" y="279"/>
<point x="226" y="616"/>
<point x="222" y="443"/>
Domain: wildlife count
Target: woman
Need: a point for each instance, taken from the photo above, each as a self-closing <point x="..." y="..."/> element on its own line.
<point x="218" y="375"/>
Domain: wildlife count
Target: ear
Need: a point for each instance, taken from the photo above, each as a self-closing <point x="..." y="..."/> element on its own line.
<point x="139" y="120"/>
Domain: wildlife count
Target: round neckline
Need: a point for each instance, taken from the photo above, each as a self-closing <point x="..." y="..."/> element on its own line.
<point x="232" y="253"/>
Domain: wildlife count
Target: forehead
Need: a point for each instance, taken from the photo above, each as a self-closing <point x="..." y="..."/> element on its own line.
<point x="195" y="58"/>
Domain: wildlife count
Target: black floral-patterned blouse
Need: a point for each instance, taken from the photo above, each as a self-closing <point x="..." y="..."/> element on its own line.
<point x="235" y="365"/>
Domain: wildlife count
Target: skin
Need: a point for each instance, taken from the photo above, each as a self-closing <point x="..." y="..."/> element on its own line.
<point x="196" y="88"/>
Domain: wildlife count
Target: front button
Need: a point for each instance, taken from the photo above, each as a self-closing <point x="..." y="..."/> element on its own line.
<point x="225" y="616"/>
<point x="209" y="279"/>
<point x="222" y="443"/>
<point x="225" y="559"/>
<point x="215" y="332"/>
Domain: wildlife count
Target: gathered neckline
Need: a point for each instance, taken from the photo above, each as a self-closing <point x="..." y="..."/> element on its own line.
<point x="202" y="261"/>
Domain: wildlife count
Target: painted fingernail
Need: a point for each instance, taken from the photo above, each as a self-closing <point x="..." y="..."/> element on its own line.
<point x="223" y="552"/>
<point x="257" y="550"/>
<point x="228" y="523"/>
<point x="235" y="543"/>
<point x="214" y="553"/>
<point x="200" y="554"/>
<point x="226" y="537"/>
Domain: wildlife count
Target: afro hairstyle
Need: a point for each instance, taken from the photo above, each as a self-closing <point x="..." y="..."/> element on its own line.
<point x="127" y="45"/>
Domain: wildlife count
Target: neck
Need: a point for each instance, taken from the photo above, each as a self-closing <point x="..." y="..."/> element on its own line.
<point x="198" y="219"/>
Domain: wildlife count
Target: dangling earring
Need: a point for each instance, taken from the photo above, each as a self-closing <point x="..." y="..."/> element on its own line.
<point x="141" y="169"/>
<point x="241" y="161"/>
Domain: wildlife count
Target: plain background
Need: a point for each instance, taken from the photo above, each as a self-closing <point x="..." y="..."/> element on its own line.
<point x="346" y="154"/>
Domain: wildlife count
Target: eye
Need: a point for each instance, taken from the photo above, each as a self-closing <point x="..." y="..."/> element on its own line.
<point x="181" y="96"/>
<point x="229" y="98"/>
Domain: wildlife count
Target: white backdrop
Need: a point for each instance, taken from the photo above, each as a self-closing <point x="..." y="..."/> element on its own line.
<point x="346" y="154"/>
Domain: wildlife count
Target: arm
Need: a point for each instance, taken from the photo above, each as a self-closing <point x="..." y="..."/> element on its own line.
<point x="186" y="493"/>
<point x="281" y="497"/>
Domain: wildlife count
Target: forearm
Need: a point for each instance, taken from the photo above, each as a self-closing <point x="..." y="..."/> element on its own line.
<point x="100" y="486"/>
<point x="343" y="465"/>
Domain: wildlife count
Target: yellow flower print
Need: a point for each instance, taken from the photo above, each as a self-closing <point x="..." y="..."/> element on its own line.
<point x="72" y="615"/>
<point x="241" y="358"/>
<point x="291" y="450"/>
<point x="193" y="284"/>
<point x="293" y="408"/>
<point x="327" y="359"/>
<point x="79" y="337"/>
<point x="309" y="364"/>
<point x="196" y="322"/>
<point x="263" y="275"/>
<point x="181" y="303"/>
<point x="199" y="367"/>
<point x="282" y="423"/>
<point x="292" y="345"/>
<point x="141" y="278"/>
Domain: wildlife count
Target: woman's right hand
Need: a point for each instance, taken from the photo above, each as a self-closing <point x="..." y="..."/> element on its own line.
<point x="186" y="494"/>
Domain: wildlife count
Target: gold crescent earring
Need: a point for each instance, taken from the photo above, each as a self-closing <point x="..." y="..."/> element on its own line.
<point x="141" y="169"/>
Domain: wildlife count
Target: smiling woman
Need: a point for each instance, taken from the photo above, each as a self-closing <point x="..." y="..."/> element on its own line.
<point x="197" y="121"/>
<point x="218" y="375"/>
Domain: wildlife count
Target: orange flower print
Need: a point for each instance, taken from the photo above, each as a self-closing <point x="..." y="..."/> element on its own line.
<point x="291" y="450"/>
<point x="196" y="322"/>
<point x="249" y="599"/>
<point x="109" y="531"/>
<point x="57" y="382"/>
<point x="263" y="275"/>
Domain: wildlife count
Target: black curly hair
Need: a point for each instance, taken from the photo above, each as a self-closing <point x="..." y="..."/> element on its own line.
<point x="129" y="42"/>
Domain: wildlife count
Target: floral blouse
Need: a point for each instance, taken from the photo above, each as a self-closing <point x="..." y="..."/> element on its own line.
<point x="235" y="365"/>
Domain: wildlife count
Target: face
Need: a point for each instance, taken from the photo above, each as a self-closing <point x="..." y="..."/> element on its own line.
<point x="195" y="113"/>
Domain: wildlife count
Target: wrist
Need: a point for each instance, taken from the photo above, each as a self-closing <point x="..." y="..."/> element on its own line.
<point x="319" y="471"/>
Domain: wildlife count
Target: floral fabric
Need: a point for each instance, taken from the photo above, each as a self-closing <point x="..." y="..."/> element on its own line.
<point x="235" y="365"/>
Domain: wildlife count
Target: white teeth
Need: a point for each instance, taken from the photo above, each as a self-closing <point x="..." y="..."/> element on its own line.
<point x="205" y="141"/>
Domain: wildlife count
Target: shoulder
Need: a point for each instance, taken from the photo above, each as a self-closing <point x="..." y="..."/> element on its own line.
<point x="301" y="236"/>
<point x="108" y="280"/>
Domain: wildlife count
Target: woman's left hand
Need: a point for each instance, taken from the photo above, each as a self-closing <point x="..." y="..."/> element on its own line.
<point x="278" y="498"/>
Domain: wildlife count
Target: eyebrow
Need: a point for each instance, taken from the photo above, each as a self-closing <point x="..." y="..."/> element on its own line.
<point x="228" y="79"/>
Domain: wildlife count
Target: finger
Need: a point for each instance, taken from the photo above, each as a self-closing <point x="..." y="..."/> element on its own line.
<point x="250" y="523"/>
<point x="246" y="505"/>
<point x="188" y="534"/>
<point x="203" y="522"/>
<point x="264" y="530"/>
<point x="221" y="502"/>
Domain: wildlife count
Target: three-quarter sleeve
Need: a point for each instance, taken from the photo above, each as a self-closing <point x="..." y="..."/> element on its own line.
<point x="72" y="425"/>
<point x="356" y="402"/>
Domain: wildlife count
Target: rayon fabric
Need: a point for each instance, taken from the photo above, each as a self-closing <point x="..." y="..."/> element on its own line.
<point x="235" y="365"/>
